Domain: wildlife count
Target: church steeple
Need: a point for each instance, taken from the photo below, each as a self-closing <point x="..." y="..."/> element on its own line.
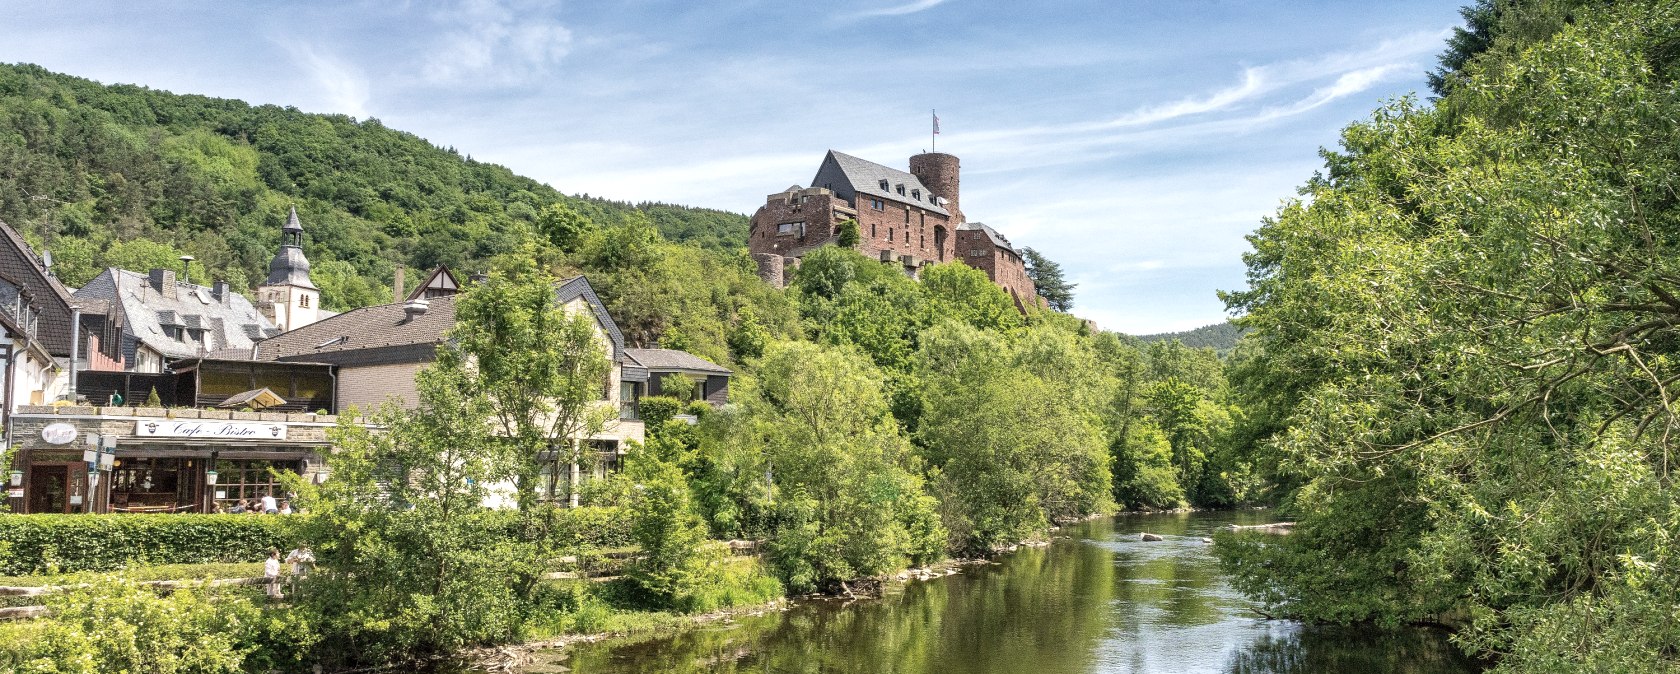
<point x="292" y="233"/>
<point x="288" y="297"/>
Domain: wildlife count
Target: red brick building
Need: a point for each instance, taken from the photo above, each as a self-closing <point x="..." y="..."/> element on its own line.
<point x="910" y="219"/>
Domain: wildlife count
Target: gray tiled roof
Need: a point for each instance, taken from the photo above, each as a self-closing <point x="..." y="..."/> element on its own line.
<point x="349" y="337"/>
<point x="20" y="265"/>
<point x="145" y="312"/>
<point x="289" y="267"/>
<point x="862" y="176"/>
<point x="666" y="360"/>
<point x="997" y="239"/>
<point x="381" y="333"/>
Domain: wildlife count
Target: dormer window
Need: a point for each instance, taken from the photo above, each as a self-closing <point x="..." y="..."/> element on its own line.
<point x="901" y="189"/>
<point x="916" y="194"/>
<point x="884" y="184"/>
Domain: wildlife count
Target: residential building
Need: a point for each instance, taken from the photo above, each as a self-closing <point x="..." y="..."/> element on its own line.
<point x="142" y="322"/>
<point x="379" y="350"/>
<point x="707" y="381"/>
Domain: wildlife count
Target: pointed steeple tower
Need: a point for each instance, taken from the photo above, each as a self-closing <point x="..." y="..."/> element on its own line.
<point x="288" y="297"/>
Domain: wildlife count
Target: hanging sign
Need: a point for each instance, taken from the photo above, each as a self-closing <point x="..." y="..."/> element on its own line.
<point x="58" y="433"/>
<point x="210" y="430"/>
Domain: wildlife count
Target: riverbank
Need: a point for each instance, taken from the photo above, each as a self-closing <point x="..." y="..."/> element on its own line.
<point x="1094" y="599"/>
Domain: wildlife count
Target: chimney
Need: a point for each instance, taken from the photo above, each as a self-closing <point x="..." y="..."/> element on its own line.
<point x="413" y="309"/>
<point x="222" y="292"/>
<point x="163" y="281"/>
<point x="397" y="294"/>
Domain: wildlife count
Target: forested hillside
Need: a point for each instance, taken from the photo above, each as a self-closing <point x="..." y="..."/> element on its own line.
<point x="134" y="177"/>
<point x="1221" y="337"/>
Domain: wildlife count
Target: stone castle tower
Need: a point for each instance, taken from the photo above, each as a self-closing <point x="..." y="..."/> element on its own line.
<point x="288" y="297"/>
<point x="942" y="174"/>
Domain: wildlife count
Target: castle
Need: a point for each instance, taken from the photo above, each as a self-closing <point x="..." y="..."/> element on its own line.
<point x="909" y="219"/>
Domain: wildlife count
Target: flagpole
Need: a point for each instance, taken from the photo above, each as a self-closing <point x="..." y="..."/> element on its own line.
<point x="934" y="142"/>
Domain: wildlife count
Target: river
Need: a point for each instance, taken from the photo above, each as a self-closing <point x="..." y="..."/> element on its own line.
<point x="1097" y="600"/>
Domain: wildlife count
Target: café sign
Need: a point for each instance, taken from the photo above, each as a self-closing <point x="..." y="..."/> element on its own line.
<point x="209" y="430"/>
<point x="58" y="433"/>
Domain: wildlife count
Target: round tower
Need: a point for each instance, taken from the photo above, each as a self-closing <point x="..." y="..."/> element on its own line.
<point x="941" y="173"/>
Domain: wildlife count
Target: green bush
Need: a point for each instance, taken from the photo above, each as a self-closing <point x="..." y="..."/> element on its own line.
<point x="699" y="409"/>
<point x="117" y="625"/>
<point x="39" y="543"/>
<point x="595" y="527"/>
<point x="656" y="410"/>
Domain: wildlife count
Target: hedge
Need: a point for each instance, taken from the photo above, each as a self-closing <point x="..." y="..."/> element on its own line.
<point x="589" y="526"/>
<point x="35" y="543"/>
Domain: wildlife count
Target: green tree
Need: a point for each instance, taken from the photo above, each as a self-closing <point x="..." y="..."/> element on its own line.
<point x="1468" y="337"/>
<point x="849" y="236"/>
<point x="1048" y="280"/>
<point x="541" y="368"/>
<point x="848" y="496"/>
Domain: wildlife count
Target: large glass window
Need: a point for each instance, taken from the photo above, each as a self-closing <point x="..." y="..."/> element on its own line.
<point x="155" y="484"/>
<point x="246" y="479"/>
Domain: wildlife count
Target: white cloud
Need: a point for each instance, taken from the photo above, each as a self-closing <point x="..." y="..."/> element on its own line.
<point x="497" y="43"/>
<point x="344" y="90"/>
<point x="901" y="10"/>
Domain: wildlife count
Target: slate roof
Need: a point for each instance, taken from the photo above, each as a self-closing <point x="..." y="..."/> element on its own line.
<point x="669" y="360"/>
<point x="230" y="324"/>
<point x="997" y="239"/>
<point x="19" y="265"/>
<point x="848" y="175"/>
<point x="379" y="334"/>
<point x="289" y="267"/>
<point x="382" y="334"/>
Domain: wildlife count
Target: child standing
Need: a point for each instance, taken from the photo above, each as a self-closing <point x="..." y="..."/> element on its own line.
<point x="271" y="571"/>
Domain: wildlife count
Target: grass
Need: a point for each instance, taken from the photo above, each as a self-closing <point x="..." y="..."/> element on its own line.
<point x="145" y="573"/>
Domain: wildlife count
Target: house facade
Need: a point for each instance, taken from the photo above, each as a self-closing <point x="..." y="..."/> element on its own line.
<point x="379" y="350"/>
<point x="905" y="218"/>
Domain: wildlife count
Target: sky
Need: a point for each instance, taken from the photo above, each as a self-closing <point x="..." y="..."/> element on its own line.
<point x="1134" y="142"/>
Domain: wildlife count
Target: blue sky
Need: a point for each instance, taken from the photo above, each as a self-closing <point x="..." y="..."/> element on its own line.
<point x="1134" y="142"/>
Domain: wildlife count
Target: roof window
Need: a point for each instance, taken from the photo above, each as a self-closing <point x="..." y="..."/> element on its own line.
<point x="884" y="184"/>
<point x="901" y="189"/>
<point x="916" y="194"/>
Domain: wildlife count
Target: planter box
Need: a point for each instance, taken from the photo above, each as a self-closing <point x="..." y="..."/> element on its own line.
<point x="223" y="415"/>
<point x="116" y="411"/>
<point x="150" y="411"/>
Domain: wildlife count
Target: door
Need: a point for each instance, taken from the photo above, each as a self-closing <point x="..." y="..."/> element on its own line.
<point x="49" y="489"/>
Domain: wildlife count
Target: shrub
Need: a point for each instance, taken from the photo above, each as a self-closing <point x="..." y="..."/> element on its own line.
<point x="699" y="409"/>
<point x="116" y="625"/>
<point x="656" y="410"/>
<point x="39" y="543"/>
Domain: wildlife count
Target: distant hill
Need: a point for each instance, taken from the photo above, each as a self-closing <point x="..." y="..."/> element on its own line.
<point x="125" y="175"/>
<point x="1221" y="337"/>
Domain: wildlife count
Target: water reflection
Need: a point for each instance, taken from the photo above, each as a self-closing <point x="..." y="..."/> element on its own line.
<point x="1098" y="601"/>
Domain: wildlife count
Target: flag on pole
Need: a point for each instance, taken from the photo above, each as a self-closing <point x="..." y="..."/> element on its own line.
<point x="936" y="123"/>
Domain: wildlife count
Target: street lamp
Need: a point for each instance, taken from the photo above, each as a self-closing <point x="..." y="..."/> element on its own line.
<point x="210" y="477"/>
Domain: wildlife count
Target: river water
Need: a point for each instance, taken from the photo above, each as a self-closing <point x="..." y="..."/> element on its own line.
<point x="1097" y="600"/>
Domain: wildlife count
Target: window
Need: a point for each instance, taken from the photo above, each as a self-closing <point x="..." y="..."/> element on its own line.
<point x="907" y="217"/>
<point x="916" y="194"/>
<point x="877" y="204"/>
<point x="889" y="233"/>
<point x="975" y="252"/>
<point x="790" y="228"/>
<point x="901" y="189"/>
<point x="883" y="183"/>
<point x="246" y="479"/>
<point x="303" y="300"/>
<point x="872" y="233"/>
